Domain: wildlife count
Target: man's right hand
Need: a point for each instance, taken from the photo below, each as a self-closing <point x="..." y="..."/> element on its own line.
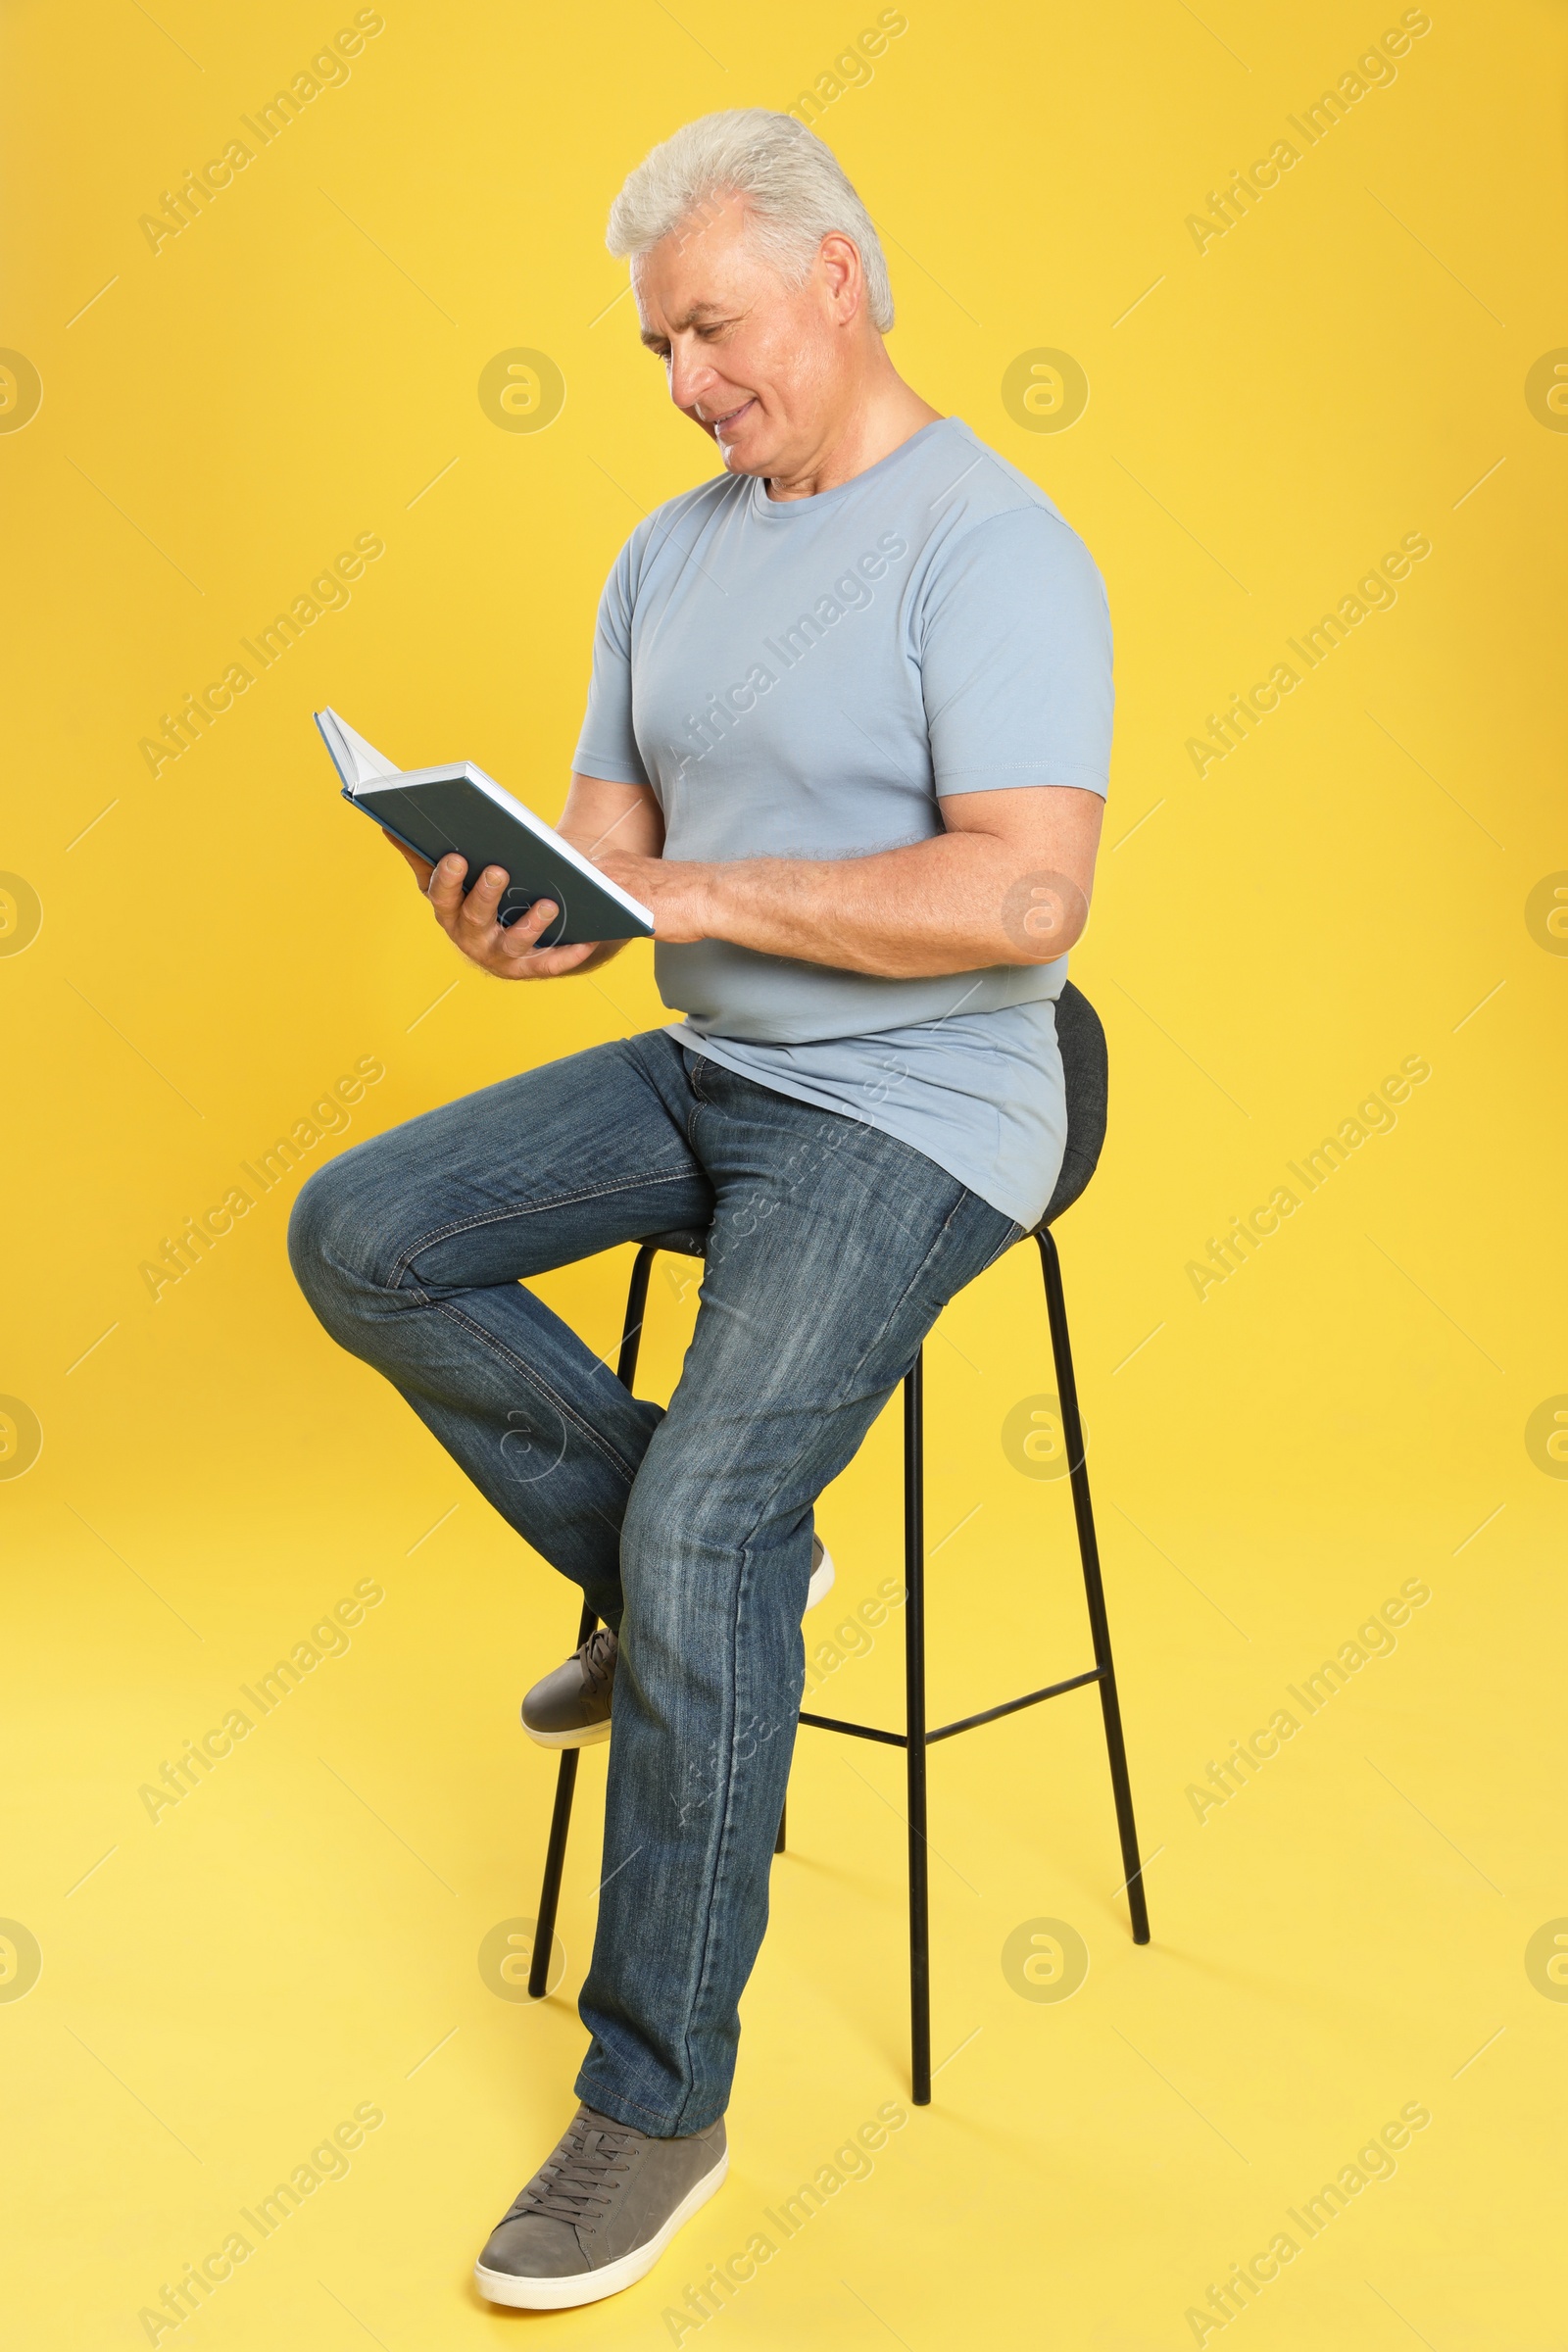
<point x="508" y="951"/>
<point x="598" y="815"/>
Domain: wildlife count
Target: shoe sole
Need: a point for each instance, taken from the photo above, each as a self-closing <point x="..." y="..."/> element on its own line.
<point x="820" y="1586"/>
<point x="591" y="2286"/>
<point x="573" y="1738"/>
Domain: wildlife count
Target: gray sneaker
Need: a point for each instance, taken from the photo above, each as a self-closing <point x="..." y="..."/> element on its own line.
<point x="569" y="1707"/>
<point x="598" y="2214"/>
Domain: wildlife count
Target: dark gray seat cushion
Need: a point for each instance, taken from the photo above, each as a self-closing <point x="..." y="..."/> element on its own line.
<point x="686" y="1240"/>
<point x="1086" y="1070"/>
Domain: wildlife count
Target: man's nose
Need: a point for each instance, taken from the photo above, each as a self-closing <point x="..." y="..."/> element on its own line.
<point x="690" y="376"/>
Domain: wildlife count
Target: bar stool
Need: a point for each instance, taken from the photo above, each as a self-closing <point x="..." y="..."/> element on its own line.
<point x="1085" y="1068"/>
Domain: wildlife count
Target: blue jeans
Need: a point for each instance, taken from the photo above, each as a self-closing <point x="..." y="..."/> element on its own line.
<point x="833" y="1249"/>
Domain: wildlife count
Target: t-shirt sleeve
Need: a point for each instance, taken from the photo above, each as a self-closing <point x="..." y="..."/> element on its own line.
<point x="608" y="746"/>
<point x="1015" y="659"/>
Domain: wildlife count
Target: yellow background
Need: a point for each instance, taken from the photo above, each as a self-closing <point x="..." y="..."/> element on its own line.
<point x="297" y="366"/>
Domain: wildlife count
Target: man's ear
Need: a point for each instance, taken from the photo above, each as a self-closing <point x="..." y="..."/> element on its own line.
<point x="840" y="264"/>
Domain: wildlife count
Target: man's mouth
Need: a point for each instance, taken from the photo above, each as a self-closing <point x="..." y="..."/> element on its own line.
<point x="731" y="417"/>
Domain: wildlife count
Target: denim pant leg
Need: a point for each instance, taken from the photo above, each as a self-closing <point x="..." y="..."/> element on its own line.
<point x="413" y="1247"/>
<point x="833" y="1249"/>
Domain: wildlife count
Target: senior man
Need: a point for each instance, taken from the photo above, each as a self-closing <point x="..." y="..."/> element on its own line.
<point x="847" y="736"/>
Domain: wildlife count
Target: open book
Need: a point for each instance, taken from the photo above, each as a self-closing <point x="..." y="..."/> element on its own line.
<point x="436" y="809"/>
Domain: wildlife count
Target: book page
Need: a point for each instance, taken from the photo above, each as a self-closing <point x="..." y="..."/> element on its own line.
<point x="358" y="763"/>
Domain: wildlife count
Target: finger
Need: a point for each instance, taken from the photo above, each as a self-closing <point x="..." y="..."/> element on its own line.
<point x="543" y="965"/>
<point x="445" y="889"/>
<point x="522" y="937"/>
<point x="420" y="866"/>
<point x="479" y="929"/>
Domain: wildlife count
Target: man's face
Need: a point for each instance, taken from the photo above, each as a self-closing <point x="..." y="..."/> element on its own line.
<point x="755" y="362"/>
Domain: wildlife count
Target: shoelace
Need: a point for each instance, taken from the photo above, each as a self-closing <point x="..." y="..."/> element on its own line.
<point x="579" y="2181"/>
<point x="598" y="1656"/>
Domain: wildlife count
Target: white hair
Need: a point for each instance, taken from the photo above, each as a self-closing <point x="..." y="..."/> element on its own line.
<point x="793" y="187"/>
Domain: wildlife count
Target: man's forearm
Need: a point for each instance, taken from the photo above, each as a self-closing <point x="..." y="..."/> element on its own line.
<point x="959" y="903"/>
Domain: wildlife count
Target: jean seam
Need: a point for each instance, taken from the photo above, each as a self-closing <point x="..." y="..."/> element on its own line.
<point x="721" y="1840"/>
<point x="486" y="1339"/>
<point x="842" y="1393"/>
<point x="699" y="1103"/>
<point x="517" y="1208"/>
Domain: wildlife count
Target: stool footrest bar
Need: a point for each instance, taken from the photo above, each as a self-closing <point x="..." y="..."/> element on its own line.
<point x="1011" y="1707"/>
<point x="856" y="1731"/>
<point x="966" y="1723"/>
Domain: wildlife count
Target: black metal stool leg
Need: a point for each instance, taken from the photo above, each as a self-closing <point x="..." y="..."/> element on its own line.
<point x="566" y="1777"/>
<point x="631" y="1331"/>
<point x="783" y="1815"/>
<point x="1094" y="1587"/>
<point x="556" y="1852"/>
<point x="914" y="1726"/>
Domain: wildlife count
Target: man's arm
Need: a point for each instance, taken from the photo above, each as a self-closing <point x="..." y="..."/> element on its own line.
<point x="1008" y="882"/>
<point x="599" y="820"/>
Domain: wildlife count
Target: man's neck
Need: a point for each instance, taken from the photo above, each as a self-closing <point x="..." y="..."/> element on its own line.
<point x="887" y="415"/>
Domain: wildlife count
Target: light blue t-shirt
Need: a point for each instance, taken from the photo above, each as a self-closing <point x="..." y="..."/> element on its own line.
<point x="806" y="678"/>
